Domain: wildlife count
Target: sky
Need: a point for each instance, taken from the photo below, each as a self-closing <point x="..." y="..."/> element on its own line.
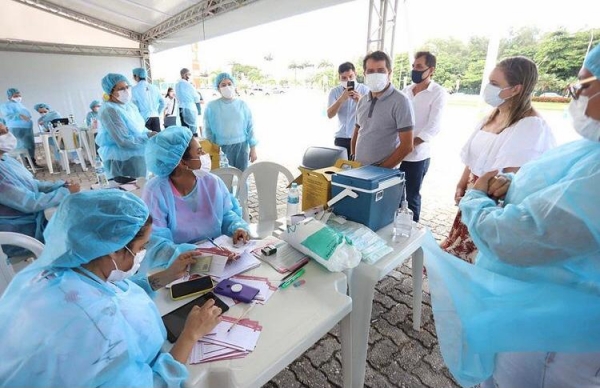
<point x="339" y="33"/>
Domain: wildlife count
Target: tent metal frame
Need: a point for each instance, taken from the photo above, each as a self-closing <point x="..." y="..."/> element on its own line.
<point x="382" y="26"/>
<point x="195" y="14"/>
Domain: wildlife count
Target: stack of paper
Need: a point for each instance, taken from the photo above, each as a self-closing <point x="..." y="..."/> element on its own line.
<point x="222" y="344"/>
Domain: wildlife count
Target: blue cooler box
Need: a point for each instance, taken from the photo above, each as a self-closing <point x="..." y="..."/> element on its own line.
<point x="379" y="192"/>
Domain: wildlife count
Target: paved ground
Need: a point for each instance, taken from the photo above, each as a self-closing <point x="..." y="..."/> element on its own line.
<point x="398" y="356"/>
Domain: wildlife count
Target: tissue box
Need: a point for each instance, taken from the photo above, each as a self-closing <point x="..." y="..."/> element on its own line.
<point x="378" y="192"/>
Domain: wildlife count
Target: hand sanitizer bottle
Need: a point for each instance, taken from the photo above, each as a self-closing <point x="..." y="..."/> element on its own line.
<point x="403" y="221"/>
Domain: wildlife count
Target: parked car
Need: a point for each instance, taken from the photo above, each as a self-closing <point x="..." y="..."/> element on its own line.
<point x="550" y="94"/>
<point x="259" y="92"/>
<point x="278" y="91"/>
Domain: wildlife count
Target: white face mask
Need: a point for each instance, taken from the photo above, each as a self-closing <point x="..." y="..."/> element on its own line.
<point x="116" y="275"/>
<point x="491" y="95"/>
<point x="344" y="84"/>
<point x="205" y="162"/>
<point x="584" y="125"/>
<point x="228" y="92"/>
<point x="376" y="81"/>
<point x="124" y="96"/>
<point x="17" y="99"/>
<point x="8" y="142"/>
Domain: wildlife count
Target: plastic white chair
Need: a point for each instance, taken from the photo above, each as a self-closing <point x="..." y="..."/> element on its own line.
<point x="266" y="175"/>
<point x="21" y="153"/>
<point x="64" y="136"/>
<point x="7" y="272"/>
<point x="228" y="175"/>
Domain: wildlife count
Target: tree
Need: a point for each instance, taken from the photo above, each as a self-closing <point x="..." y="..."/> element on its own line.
<point x="561" y="53"/>
<point x="324" y="64"/>
<point x="251" y="73"/>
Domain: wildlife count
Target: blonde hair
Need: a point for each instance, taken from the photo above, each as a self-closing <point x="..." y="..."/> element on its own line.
<point x="518" y="71"/>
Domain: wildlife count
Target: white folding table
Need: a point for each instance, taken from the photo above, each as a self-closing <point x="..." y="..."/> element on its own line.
<point x="293" y="319"/>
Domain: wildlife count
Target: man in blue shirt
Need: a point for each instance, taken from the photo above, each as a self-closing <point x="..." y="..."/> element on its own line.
<point x="148" y="99"/>
<point x="343" y="100"/>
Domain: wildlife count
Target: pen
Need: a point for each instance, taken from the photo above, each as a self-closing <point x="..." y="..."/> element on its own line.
<point x="241" y="317"/>
<point x="294" y="272"/>
<point x="292" y="279"/>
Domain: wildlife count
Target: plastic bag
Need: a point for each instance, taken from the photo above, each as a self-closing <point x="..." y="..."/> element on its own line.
<point x="328" y="247"/>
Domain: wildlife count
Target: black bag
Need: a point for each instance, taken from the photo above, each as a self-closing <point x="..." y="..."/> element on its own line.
<point x="170" y="121"/>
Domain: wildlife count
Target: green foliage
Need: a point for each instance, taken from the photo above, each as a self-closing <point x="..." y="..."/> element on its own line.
<point x="252" y="74"/>
<point x="559" y="56"/>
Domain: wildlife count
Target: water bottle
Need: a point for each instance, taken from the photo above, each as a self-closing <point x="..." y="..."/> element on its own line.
<point x="403" y="221"/>
<point x="100" y="174"/>
<point x="293" y="201"/>
<point x="223" y="161"/>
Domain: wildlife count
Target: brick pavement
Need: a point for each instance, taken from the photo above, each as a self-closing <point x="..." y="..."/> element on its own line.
<point x="398" y="356"/>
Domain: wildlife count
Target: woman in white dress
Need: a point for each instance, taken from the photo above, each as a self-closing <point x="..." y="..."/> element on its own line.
<point x="513" y="134"/>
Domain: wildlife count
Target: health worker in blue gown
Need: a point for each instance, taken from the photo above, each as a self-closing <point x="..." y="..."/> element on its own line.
<point x="23" y="198"/>
<point x="122" y="135"/>
<point x="74" y="319"/>
<point x="527" y="313"/>
<point x="187" y="202"/>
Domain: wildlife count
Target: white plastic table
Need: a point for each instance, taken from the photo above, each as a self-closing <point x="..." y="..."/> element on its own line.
<point x="293" y="319"/>
<point x="362" y="281"/>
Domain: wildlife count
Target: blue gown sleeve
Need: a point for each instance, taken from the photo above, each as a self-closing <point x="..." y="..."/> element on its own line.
<point x="208" y="128"/>
<point x="47" y="187"/>
<point x="249" y="127"/>
<point x="27" y="201"/>
<point x="122" y="136"/>
<point x="556" y="223"/>
<point x="161" y="102"/>
<point x="232" y="220"/>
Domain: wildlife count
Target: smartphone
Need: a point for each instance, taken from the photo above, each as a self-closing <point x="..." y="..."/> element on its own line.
<point x="350" y="86"/>
<point x="175" y="320"/>
<point x="237" y="291"/>
<point x="192" y="287"/>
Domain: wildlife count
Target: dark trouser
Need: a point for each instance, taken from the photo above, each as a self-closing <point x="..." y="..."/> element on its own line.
<point x="414" y="172"/>
<point x="153" y="124"/>
<point x="343" y="142"/>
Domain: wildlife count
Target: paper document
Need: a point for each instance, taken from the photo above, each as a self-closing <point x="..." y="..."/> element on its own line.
<point x="286" y="259"/>
<point x="222" y="344"/>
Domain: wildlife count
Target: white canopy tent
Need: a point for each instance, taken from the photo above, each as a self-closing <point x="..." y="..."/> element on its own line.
<point x="57" y="51"/>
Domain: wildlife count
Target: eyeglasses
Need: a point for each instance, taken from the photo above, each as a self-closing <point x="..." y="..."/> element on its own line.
<point x="575" y="89"/>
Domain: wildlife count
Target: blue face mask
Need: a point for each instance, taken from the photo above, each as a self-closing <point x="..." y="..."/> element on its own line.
<point x="417" y="75"/>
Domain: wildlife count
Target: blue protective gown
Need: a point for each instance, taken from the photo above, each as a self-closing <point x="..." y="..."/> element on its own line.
<point x="24" y="198"/>
<point x="536" y="283"/>
<point x="188" y="97"/>
<point x="90" y="117"/>
<point x="64" y="329"/>
<point x="229" y="124"/>
<point x="11" y="111"/>
<point x="148" y="99"/>
<point x="47" y="118"/>
<point x="208" y="211"/>
<point x="122" y="139"/>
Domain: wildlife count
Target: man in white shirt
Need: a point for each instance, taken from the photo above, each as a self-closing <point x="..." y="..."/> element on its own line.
<point x="428" y="99"/>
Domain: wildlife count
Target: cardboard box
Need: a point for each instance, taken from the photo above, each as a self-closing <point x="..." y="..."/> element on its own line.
<point x="316" y="184"/>
<point x="213" y="150"/>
